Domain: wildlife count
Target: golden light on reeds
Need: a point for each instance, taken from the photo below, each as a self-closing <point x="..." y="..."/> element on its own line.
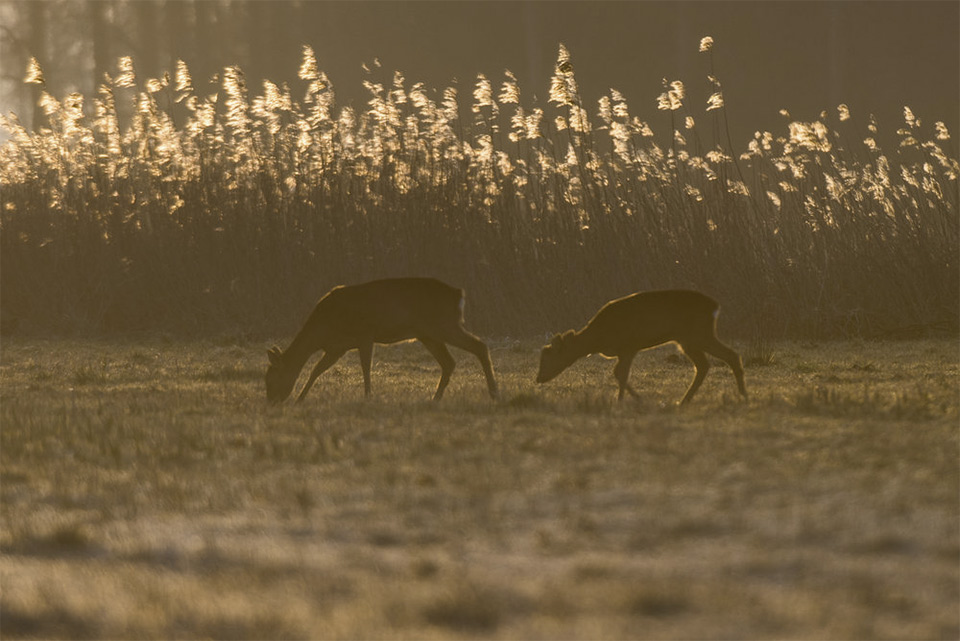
<point x="34" y="73"/>
<point x="307" y="186"/>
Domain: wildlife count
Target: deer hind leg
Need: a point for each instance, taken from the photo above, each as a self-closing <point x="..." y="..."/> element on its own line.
<point x="702" y="366"/>
<point x="621" y="371"/>
<point x="732" y="359"/>
<point x="325" y="362"/>
<point x="470" y="343"/>
<point x="366" y="356"/>
<point x="447" y="364"/>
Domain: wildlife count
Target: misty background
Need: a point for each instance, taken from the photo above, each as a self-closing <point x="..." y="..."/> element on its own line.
<point x="805" y="57"/>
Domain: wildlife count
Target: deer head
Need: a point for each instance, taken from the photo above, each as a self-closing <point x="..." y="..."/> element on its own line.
<point x="557" y="356"/>
<point x="280" y="379"/>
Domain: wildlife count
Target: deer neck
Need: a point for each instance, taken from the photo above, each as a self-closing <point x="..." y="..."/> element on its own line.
<point x="301" y="348"/>
<point x="584" y="342"/>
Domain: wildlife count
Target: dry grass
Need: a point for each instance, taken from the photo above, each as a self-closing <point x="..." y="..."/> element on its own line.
<point x="149" y="492"/>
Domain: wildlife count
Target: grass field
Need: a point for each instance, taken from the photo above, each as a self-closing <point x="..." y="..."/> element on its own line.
<point x="149" y="492"/>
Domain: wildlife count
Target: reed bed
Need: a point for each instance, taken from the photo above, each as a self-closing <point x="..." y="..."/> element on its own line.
<point x="160" y="205"/>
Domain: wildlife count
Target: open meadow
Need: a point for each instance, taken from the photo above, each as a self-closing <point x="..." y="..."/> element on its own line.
<point x="148" y="491"/>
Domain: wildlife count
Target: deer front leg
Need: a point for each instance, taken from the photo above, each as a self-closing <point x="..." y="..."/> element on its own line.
<point x="445" y="359"/>
<point x="328" y="359"/>
<point x="467" y="341"/>
<point x="702" y="364"/>
<point x="732" y="359"/>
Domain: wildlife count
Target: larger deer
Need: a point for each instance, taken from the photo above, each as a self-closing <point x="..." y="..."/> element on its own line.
<point x="380" y="311"/>
<point x="640" y="321"/>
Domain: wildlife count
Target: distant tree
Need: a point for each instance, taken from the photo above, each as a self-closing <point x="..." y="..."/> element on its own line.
<point x="36" y="13"/>
<point x="206" y="37"/>
<point x="148" y="37"/>
<point x="178" y="28"/>
<point x="100" y="39"/>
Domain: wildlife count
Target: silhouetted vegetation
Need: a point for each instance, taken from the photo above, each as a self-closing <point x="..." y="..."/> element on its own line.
<point x="160" y="205"/>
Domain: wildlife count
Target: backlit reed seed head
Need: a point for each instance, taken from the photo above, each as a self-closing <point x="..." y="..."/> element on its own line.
<point x="604" y="110"/>
<point x="34" y="73"/>
<point x="843" y="112"/>
<point x="49" y="104"/>
<point x="533" y="124"/>
<point x="518" y="125"/>
<point x="235" y="87"/>
<point x="834" y="187"/>
<point x="908" y="117"/>
<point x="510" y="90"/>
<point x="419" y="100"/>
<point x="559" y="91"/>
<point x="672" y="98"/>
<point x="72" y="114"/>
<point x="716" y="156"/>
<point x="579" y="120"/>
<point x="715" y="101"/>
<point x="907" y="139"/>
<point x="942" y="132"/>
<point x="451" y="104"/>
<point x="761" y="143"/>
<point x="127" y="76"/>
<point x="483" y="95"/>
<point x="620" y="108"/>
<point x="182" y="77"/>
<point x="308" y="65"/>
<point x="809" y="136"/>
<point x="703" y="166"/>
<point x="688" y="122"/>
<point x="563" y="60"/>
<point x="620" y="134"/>
<point x="267" y="106"/>
<point x="642" y="128"/>
<point x="205" y="115"/>
<point x="908" y="177"/>
<point x="706" y="44"/>
<point x="563" y="86"/>
<point x="398" y="94"/>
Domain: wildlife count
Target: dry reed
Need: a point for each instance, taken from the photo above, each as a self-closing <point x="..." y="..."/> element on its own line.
<point x="163" y="206"/>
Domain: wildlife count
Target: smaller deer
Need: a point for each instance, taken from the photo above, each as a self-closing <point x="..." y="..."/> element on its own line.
<point x="640" y="321"/>
<point x="381" y="311"/>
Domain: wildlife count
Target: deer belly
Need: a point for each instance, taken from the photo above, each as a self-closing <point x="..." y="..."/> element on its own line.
<point x="387" y="336"/>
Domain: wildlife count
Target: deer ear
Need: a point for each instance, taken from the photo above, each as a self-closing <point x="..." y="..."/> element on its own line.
<point x="274" y="355"/>
<point x="556" y="340"/>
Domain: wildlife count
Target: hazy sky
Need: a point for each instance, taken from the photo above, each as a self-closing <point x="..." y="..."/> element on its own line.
<point x="807" y="56"/>
<point x="803" y="56"/>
